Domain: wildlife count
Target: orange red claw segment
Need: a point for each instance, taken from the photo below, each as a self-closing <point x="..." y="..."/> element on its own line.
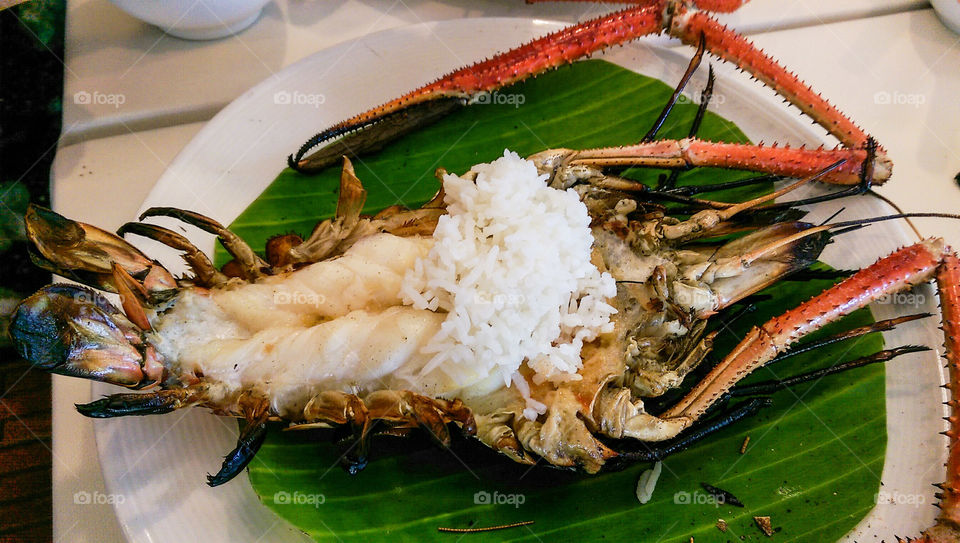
<point x="687" y="25"/>
<point x="947" y="527"/>
<point x="900" y="270"/>
<point x="132" y="294"/>
<point x="553" y="50"/>
<point x="787" y="161"/>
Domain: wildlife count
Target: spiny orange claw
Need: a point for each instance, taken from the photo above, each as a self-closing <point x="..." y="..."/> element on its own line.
<point x="778" y="160"/>
<point x="550" y="51"/>
<point x="947" y="527"/>
<point x="689" y="25"/>
<point x="897" y="271"/>
<point x="681" y="19"/>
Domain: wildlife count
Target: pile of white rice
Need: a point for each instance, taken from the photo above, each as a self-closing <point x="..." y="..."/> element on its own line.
<point x="511" y="266"/>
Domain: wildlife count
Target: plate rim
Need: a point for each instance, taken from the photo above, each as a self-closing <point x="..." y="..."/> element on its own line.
<point x="237" y="106"/>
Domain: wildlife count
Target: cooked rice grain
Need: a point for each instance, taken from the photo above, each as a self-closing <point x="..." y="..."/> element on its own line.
<point x="511" y="267"/>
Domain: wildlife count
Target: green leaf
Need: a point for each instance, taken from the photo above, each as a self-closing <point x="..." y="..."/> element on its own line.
<point x="14" y="198"/>
<point x="45" y="19"/>
<point x="815" y="456"/>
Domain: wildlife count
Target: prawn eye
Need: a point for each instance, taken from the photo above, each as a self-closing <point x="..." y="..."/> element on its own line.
<point x="36" y="331"/>
<point x="75" y="331"/>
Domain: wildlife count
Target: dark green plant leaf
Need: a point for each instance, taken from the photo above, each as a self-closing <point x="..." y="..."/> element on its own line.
<point x="815" y="457"/>
<point x="44" y="18"/>
<point x="14" y="198"/>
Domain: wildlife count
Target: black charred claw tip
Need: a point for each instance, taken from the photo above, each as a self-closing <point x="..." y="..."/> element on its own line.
<point x="353" y="464"/>
<point x="122" y="405"/>
<point x="762" y="217"/>
<point x="656" y="451"/>
<point x="46" y="224"/>
<point x="722" y="496"/>
<point x="368" y="136"/>
<point x="248" y="444"/>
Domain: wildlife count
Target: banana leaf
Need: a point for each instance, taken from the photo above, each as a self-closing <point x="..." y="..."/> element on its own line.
<point x="815" y="456"/>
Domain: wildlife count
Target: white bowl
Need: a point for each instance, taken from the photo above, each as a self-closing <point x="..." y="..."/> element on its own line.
<point x="195" y="19"/>
<point x="949" y="12"/>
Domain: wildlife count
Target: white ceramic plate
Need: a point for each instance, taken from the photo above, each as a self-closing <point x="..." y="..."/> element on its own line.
<point x="158" y="463"/>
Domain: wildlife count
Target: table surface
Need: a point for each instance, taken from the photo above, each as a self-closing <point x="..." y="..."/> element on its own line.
<point x="890" y="64"/>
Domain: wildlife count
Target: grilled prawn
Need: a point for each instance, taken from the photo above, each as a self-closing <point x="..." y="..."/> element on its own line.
<point x="318" y="334"/>
<point x="321" y="332"/>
